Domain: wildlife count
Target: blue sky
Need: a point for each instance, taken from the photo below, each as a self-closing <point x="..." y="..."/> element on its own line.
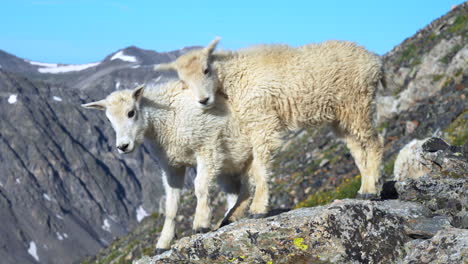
<point x="83" y="31"/>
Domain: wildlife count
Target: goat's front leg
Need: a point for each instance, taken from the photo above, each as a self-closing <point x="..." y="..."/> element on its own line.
<point x="206" y="172"/>
<point x="173" y="180"/>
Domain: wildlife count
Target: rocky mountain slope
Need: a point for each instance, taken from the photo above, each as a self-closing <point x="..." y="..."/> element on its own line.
<point x="425" y="95"/>
<point x="64" y="191"/>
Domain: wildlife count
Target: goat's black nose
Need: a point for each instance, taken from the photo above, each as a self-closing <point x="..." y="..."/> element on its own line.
<point x="123" y="147"/>
<point x="204" y="101"/>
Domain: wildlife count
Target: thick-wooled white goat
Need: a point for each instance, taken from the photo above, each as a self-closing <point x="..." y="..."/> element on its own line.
<point x="272" y="88"/>
<point x="183" y="135"/>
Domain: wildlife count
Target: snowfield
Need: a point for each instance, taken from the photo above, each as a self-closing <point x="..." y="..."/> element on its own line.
<point x="141" y="213"/>
<point x="32" y="250"/>
<point x="42" y="64"/>
<point x="12" y="99"/>
<point x="106" y="225"/>
<point x="67" y="68"/>
<point x="121" y="56"/>
<point x="56" y="68"/>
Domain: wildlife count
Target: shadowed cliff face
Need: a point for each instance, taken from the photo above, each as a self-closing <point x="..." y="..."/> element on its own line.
<point x="63" y="184"/>
<point x="64" y="189"/>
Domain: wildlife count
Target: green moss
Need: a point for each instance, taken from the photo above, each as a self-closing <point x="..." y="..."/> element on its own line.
<point x="457" y="132"/>
<point x="415" y="61"/>
<point x="448" y="81"/>
<point x="460" y="24"/>
<point x="397" y="90"/>
<point x="154" y="216"/>
<point x="122" y="260"/>
<point x="383" y="126"/>
<point x="347" y="189"/>
<point x="409" y="55"/>
<point x="452" y="52"/>
<point x="389" y="165"/>
<point x="437" y="77"/>
<point x="113" y="255"/>
<point x="147" y="251"/>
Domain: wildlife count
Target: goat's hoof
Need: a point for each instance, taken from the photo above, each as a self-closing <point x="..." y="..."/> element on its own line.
<point x="257" y="216"/>
<point x="367" y="196"/>
<point x="225" y="222"/>
<point x="201" y="230"/>
<point x="159" y="251"/>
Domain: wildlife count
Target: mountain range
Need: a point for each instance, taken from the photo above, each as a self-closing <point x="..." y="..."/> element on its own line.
<point x="64" y="191"/>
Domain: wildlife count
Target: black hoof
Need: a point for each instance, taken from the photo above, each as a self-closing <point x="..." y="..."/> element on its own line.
<point x="159" y="251"/>
<point x="225" y="222"/>
<point x="257" y="216"/>
<point x="201" y="230"/>
<point x="389" y="191"/>
<point x="367" y="196"/>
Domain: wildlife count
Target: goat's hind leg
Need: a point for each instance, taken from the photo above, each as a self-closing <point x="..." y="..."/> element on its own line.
<point x="366" y="148"/>
<point x="237" y="210"/>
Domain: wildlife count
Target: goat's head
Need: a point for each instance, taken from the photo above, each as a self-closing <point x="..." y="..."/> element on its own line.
<point x="123" y="111"/>
<point x="195" y="69"/>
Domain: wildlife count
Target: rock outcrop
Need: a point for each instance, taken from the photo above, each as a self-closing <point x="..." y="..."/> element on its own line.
<point x="425" y="63"/>
<point x="420" y="157"/>
<point x="409" y="230"/>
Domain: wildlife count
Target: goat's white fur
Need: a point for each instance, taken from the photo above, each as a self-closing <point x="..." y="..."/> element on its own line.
<point x="183" y="135"/>
<point x="272" y="88"/>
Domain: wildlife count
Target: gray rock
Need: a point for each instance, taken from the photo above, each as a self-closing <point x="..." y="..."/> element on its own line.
<point x="444" y="196"/>
<point x="447" y="246"/>
<point x="347" y="231"/>
<point x="430" y="155"/>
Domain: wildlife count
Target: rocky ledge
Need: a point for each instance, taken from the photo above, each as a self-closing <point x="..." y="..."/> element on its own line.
<point x="345" y="231"/>
<point x="426" y="224"/>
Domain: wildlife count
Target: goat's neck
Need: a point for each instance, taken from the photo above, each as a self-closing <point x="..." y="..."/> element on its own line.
<point x="156" y="121"/>
<point x="227" y="78"/>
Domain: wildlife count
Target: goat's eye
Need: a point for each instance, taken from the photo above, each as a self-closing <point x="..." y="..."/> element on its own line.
<point x="206" y="71"/>
<point x="131" y="113"/>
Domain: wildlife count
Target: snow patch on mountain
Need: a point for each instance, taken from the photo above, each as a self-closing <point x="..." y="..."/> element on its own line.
<point x="121" y="56"/>
<point x="43" y="64"/>
<point x="12" y="99"/>
<point x="67" y="68"/>
<point x="32" y="250"/>
<point x="106" y="225"/>
<point x="56" y="98"/>
<point x="47" y="197"/>
<point x="141" y="213"/>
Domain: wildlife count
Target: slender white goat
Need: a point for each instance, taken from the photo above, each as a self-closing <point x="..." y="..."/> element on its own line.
<point x="183" y="135"/>
<point x="272" y="88"/>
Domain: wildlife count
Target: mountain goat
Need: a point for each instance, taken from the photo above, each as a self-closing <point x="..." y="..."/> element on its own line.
<point x="183" y="135"/>
<point x="272" y="88"/>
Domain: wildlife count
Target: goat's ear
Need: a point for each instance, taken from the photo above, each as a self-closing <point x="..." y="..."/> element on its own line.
<point x="100" y="105"/>
<point x="165" y="67"/>
<point x="138" y="92"/>
<point x="212" y="46"/>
